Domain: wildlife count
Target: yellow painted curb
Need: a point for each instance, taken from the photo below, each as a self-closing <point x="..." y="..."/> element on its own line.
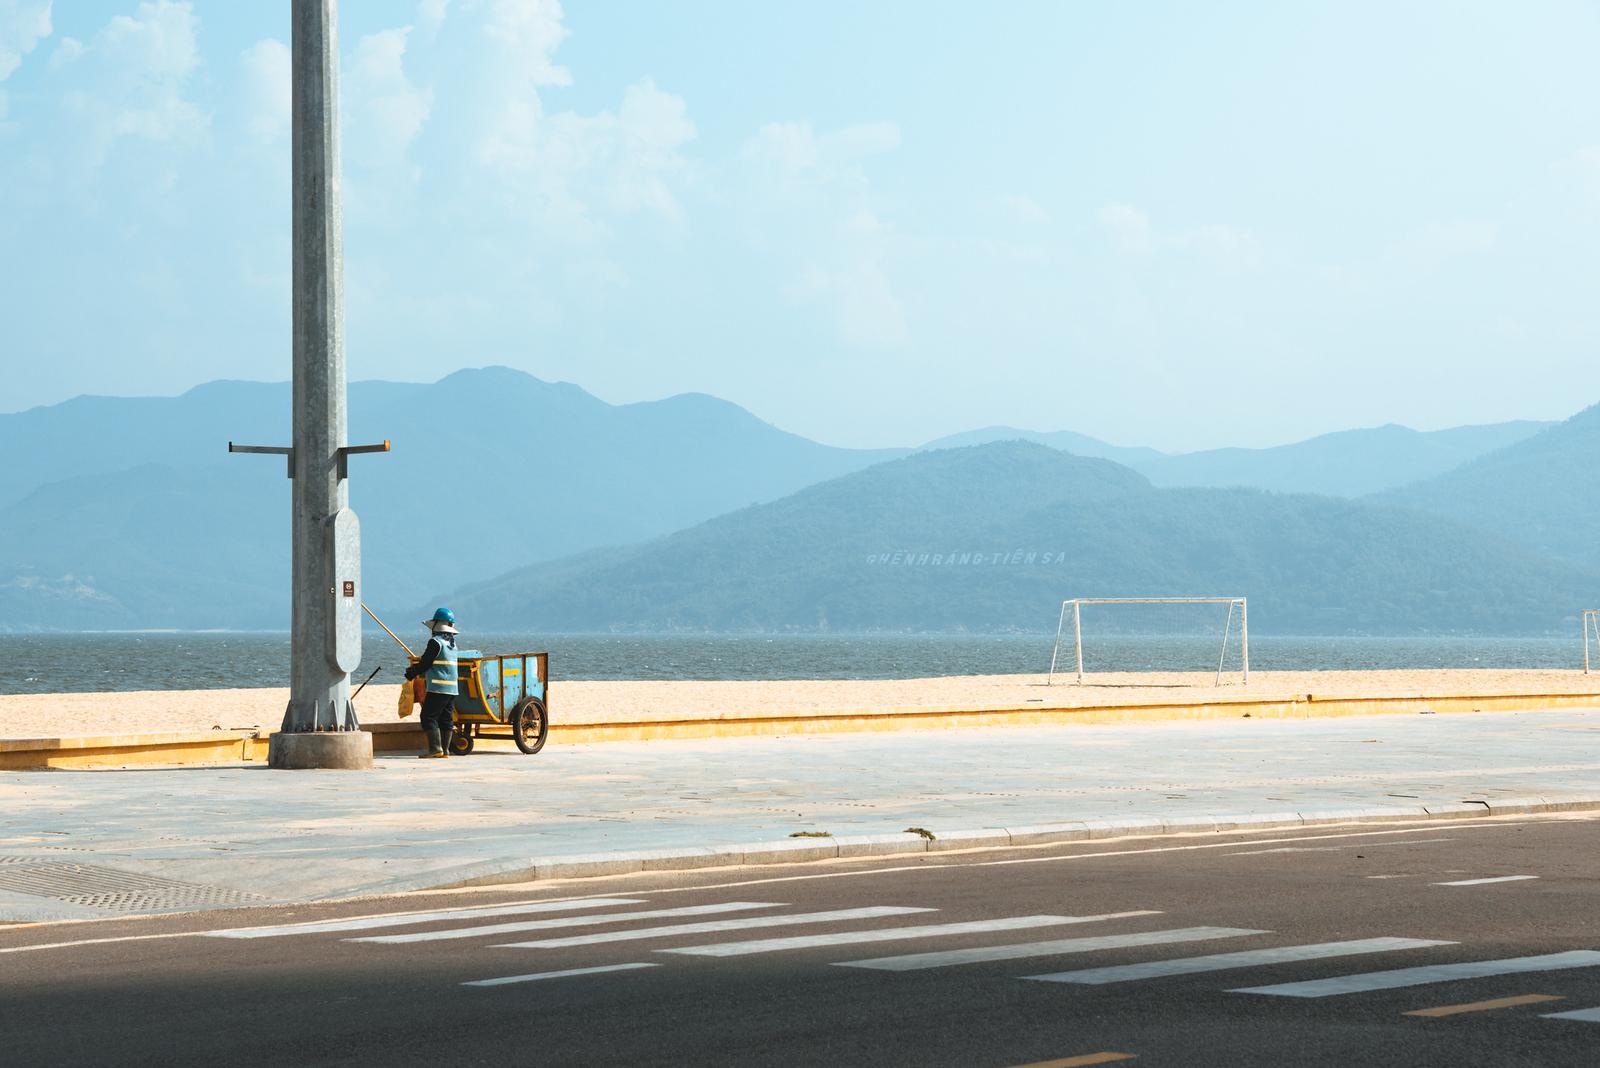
<point x="122" y="750"/>
<point x="232" y="747"/>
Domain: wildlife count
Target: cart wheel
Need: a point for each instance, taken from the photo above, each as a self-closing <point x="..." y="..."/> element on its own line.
<point x="529" y="724"/>
<point x="461" y="741"/>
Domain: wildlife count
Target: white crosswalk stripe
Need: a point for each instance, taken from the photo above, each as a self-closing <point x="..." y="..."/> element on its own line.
<point x="1436" y="973"/>
<point x="588" y="920"/>
<point x="717" y="926"/>
<point x="882" y="934"/>
<point x="403" y="919"/>
<point x="1062" y="946"/>
<point x="565" y="973"/>
<point x="1250" y="958"/>
<point x="1585" y="1015"/>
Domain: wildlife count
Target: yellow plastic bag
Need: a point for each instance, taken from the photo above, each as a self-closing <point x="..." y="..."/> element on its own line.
<point x="407" y="698"/>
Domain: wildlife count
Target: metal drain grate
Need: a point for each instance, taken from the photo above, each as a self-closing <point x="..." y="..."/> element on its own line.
<point x="118" y="891"/>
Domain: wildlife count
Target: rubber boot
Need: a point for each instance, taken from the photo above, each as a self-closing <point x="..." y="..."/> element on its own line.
<point x="446" y="733"/>
<point x="433" y="742"/>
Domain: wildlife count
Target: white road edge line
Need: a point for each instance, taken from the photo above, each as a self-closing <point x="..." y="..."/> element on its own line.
<point x="593" y="919"/>
<point x="561" y="974"/>
<point x="714" y="926"/>
<point x="1482" y="882"/>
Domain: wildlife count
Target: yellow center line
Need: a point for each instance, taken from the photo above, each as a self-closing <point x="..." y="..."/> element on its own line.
<point x="1484" y="1006"/>
<point x="1087" y="1058"/>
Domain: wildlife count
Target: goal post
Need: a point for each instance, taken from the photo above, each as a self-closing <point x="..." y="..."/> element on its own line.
<point x="1591" y="625"/>
<point x="1237" y="606"/>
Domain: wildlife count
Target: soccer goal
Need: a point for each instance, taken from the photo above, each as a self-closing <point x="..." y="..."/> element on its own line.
<point x="1591" y="625"/>
<point x="1072" y="615"/>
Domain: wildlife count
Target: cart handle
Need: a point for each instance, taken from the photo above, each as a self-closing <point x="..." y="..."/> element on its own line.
<point x="386" y="630"/>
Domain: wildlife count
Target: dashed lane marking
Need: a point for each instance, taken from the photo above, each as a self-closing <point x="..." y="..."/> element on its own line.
<point x="911" y="962"/>
<point x="586" y="920"/>
<point x="1250" y="958"/>
<point x="1585" y="1015"/>
<point x="1485" y="1006"/>
<point x="716" y="926"/>
<point x="1437" y="973"/>
<point x="564" y="974"/>
<point x="1482" y="882"/>
<point x="404" y="919"/>
<point x="881" y="934"/>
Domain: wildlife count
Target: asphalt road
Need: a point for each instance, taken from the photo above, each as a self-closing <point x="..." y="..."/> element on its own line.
<point x="830" y="964"/>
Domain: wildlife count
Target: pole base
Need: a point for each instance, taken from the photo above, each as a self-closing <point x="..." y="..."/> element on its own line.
<point x="336" y="750"/>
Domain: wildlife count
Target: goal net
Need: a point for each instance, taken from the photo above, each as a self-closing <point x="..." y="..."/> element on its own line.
<point x="1591" y="625"/>
<point x="1170" y="635"/>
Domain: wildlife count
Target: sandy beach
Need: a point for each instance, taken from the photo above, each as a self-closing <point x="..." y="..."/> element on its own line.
<point x="61" y="715"/>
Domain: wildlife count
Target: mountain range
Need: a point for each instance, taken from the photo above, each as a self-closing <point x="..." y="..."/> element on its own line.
<point x="129" y="513"/>
<point x="1347" y="463"/>
<point x="993" y="537"/>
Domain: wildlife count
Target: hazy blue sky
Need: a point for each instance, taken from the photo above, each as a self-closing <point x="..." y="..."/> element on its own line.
<point x="1177" y="224"/>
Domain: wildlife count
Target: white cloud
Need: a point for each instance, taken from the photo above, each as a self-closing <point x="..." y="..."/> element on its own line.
<point x="267" y="90"/>
<point x="567" y="171"/>
<point x="1129" y="228"/>
<point x="529" y="31"/>
<point x="1440" y="242"/>
<point x="130" y="79"/>
<point x="23" y="24"/>
<point x="384" y="110"/>
<point x="811" y="207"/>
<point x="1023" y="209"/>
<point x="430" y="14"/>
<point x="1588" y="167"/>
<point x="1134" y="234"/>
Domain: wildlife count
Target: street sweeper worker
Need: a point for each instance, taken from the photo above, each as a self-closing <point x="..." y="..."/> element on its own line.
<point x="438" y="665"/>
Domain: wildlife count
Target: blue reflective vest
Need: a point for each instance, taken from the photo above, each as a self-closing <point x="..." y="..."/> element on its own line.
<point x="442" y="677"/>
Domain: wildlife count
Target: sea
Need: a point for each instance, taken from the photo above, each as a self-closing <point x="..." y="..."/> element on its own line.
<point x="101" y="662"/>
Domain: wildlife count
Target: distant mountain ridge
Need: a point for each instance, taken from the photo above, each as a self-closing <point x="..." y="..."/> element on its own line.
<point x="136" y="516"/>
<point x="1347" y="463"/>
<point x="128" y="513"/>
<point x="993" y="537"/>
<point x="1542" y="492"/>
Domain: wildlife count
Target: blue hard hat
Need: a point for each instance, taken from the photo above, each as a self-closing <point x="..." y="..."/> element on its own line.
<point x="443" y="615"/>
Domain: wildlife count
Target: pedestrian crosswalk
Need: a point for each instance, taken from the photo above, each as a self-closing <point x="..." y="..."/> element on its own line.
<point x="1131" y="943"/>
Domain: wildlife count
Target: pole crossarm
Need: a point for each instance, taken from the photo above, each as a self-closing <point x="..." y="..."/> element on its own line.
<point x="267" y="450"/>
<point x="347" y="451"/>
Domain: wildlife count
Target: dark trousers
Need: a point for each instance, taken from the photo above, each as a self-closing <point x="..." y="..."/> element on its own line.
<point x="438" y="712"/>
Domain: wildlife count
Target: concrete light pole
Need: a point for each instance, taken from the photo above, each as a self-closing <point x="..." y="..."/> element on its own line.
<point x="319" y="727"/>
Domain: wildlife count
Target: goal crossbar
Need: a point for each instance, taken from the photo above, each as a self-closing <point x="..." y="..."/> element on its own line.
<point x="1075" y="606"/>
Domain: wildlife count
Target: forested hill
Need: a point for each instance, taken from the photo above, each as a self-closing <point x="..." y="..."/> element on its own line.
<point x="1543" y="493"/>
<point x="993" y="537"/>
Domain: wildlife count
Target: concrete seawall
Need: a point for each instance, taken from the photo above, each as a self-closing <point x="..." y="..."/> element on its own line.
<point x="666" y="711"/>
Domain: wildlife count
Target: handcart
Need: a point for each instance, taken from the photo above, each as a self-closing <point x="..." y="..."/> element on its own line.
<point x="502" y="691"/>
<point x="508" y="691"/>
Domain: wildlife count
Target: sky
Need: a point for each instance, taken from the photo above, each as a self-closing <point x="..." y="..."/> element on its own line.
<point x="1169" y="224"/>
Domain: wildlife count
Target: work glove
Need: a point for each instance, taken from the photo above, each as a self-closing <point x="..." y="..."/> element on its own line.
<point x="411" y="672"/>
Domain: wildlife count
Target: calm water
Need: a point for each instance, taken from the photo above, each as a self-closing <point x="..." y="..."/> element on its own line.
<point x="101" y="662"/>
